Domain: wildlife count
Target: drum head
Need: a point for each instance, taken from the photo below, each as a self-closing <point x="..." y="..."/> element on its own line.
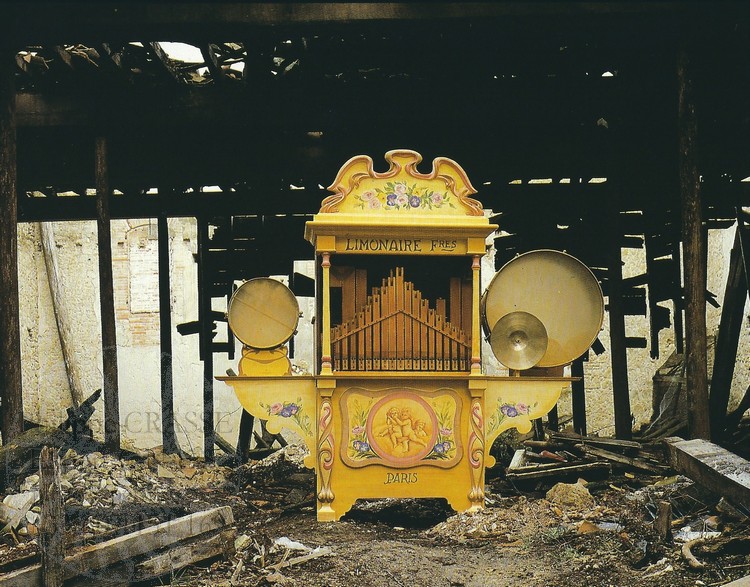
<point x="557" y="289"/>
<point x="263" y="313"/>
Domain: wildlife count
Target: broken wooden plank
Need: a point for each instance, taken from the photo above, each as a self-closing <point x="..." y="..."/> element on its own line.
<point x="113" y="551"/>
<point x="555" y="470"/>
<point x="165" y="562"/>
<point x="626" y="446"/>
<point x="713" y="467"/>
<point x="635" y="462"/>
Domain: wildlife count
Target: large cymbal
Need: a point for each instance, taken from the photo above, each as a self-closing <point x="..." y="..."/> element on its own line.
<point x="519" y="340"/>
<point x="263" y="313"/>
<point x="556" y="288"/>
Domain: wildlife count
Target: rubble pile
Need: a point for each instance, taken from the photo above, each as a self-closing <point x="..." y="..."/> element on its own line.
<point x="97" y="480"/>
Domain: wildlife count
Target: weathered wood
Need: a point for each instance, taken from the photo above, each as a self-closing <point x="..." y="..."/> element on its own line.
<point x="730" y="326"/>
<point x="52" y="519"/>
<point x="99" y="556"/>
<point x="206" y="337"/>
<point x="245" y="435"/>
<point x="618" y="348"/>
<point x="694" y="250"/>
<point x="107" y="299"/>
<point x="60" y="309"/>
<point x="224" y="445"/>
<point x="165" y="562"/>
<point x="168" y="436"/>
<point x="713" y="467"/>
<point x="625" y="446"/>
<point x="634" y="462"/>
<point x="16" y="450"/>
<point x="578" y="396"/>
<point x="166" y="63"/>
<point x="555" y="470"/>
<point x="10" y="341"/>
<point x="663" y="522"/>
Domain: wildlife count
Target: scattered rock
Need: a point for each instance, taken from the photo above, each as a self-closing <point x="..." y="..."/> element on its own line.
<point x="571" y="495"/>
<point x="164" y="473"/>
<point x="587" y="527"/>
<point x="242" y="542"/>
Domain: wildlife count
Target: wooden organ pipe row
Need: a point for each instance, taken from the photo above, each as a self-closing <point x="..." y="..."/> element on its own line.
<point x="397" y="330"/>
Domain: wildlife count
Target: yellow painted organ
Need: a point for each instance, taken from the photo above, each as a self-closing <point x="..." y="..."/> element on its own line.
<point x="399" y="404"/>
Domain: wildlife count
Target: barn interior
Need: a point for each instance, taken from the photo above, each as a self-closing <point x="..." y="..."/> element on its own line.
<point x="595" y="128"/>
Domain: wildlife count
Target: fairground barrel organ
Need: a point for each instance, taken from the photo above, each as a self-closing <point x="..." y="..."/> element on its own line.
<point x="399" y="404"/>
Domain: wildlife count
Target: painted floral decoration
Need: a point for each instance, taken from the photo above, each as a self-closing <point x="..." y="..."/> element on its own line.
<point x="445" y="445"/>
<point x="507" y="410"/>
<point x="291" y="410"/>
<point x="401" y="196"/>
<point x="360" y="447"/>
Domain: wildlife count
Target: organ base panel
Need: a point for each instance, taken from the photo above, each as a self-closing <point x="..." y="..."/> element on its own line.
<point x="421" y="435"/>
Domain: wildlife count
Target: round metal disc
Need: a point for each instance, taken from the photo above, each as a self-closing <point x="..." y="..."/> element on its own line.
<point x="519" y="340"/>
<point x="263" y="313"/>
<point x="557" y="289"/>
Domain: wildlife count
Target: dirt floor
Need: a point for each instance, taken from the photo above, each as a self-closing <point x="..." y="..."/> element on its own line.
<point x="520" y="538"/>
<point x="591" y="534"/>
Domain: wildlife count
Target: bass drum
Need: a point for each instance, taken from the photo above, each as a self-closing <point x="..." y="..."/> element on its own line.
<point x="557" y="289"/>
<point x="263" y="313"/>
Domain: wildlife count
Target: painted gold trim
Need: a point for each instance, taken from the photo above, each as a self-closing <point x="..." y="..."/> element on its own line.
<point x="361" y="167"/>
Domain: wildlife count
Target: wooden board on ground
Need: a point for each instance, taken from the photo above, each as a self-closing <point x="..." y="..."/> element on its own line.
<point x="99" y="556"/>
<point x="713" y="467"/>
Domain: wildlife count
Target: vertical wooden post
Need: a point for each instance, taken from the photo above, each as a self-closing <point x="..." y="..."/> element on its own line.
<point x="206" y="339"/>
<point x="578" y="397"/>
<point x="694" y="256"/>
<point x="169" y="439"/>
<point x="663" y="522"/>
<point x="618" y="349"/>
<point x="107" y="300"/>
<point x="243" y="439"/>
<point x="476" y="341"/>
<point x="326" y="360"/>
<point x="10" y="338"/>
<point x="51" y="519"/>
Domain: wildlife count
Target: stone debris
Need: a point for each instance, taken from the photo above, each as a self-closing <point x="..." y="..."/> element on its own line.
<point x="571" y="495"/>
<point x="101" y="480"/>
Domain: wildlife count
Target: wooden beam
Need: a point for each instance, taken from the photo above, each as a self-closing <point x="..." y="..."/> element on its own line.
<point x="164" y="61"/>
<point x="107" y="300"/>
<point x="100" y="556"/>
<point x="206" y="337"/>
<point x="10" y="340"/>
<point x="174" y="18"/>
<point x="730" y="326"/>
<point x="212" y="62"/>
<point x="578" y="396"/>
<point x="618" y="348"/>
<point x="711" y="466"/>
<point x="168" y="436"/>
<point x="694" y="254"/>
<point x="60" y="309"/>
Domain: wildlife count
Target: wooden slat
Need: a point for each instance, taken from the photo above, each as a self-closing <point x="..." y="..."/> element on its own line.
<point x="99" y="556"/>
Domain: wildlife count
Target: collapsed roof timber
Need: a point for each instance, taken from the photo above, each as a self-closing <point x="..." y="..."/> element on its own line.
<point x="540" y="103"/>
